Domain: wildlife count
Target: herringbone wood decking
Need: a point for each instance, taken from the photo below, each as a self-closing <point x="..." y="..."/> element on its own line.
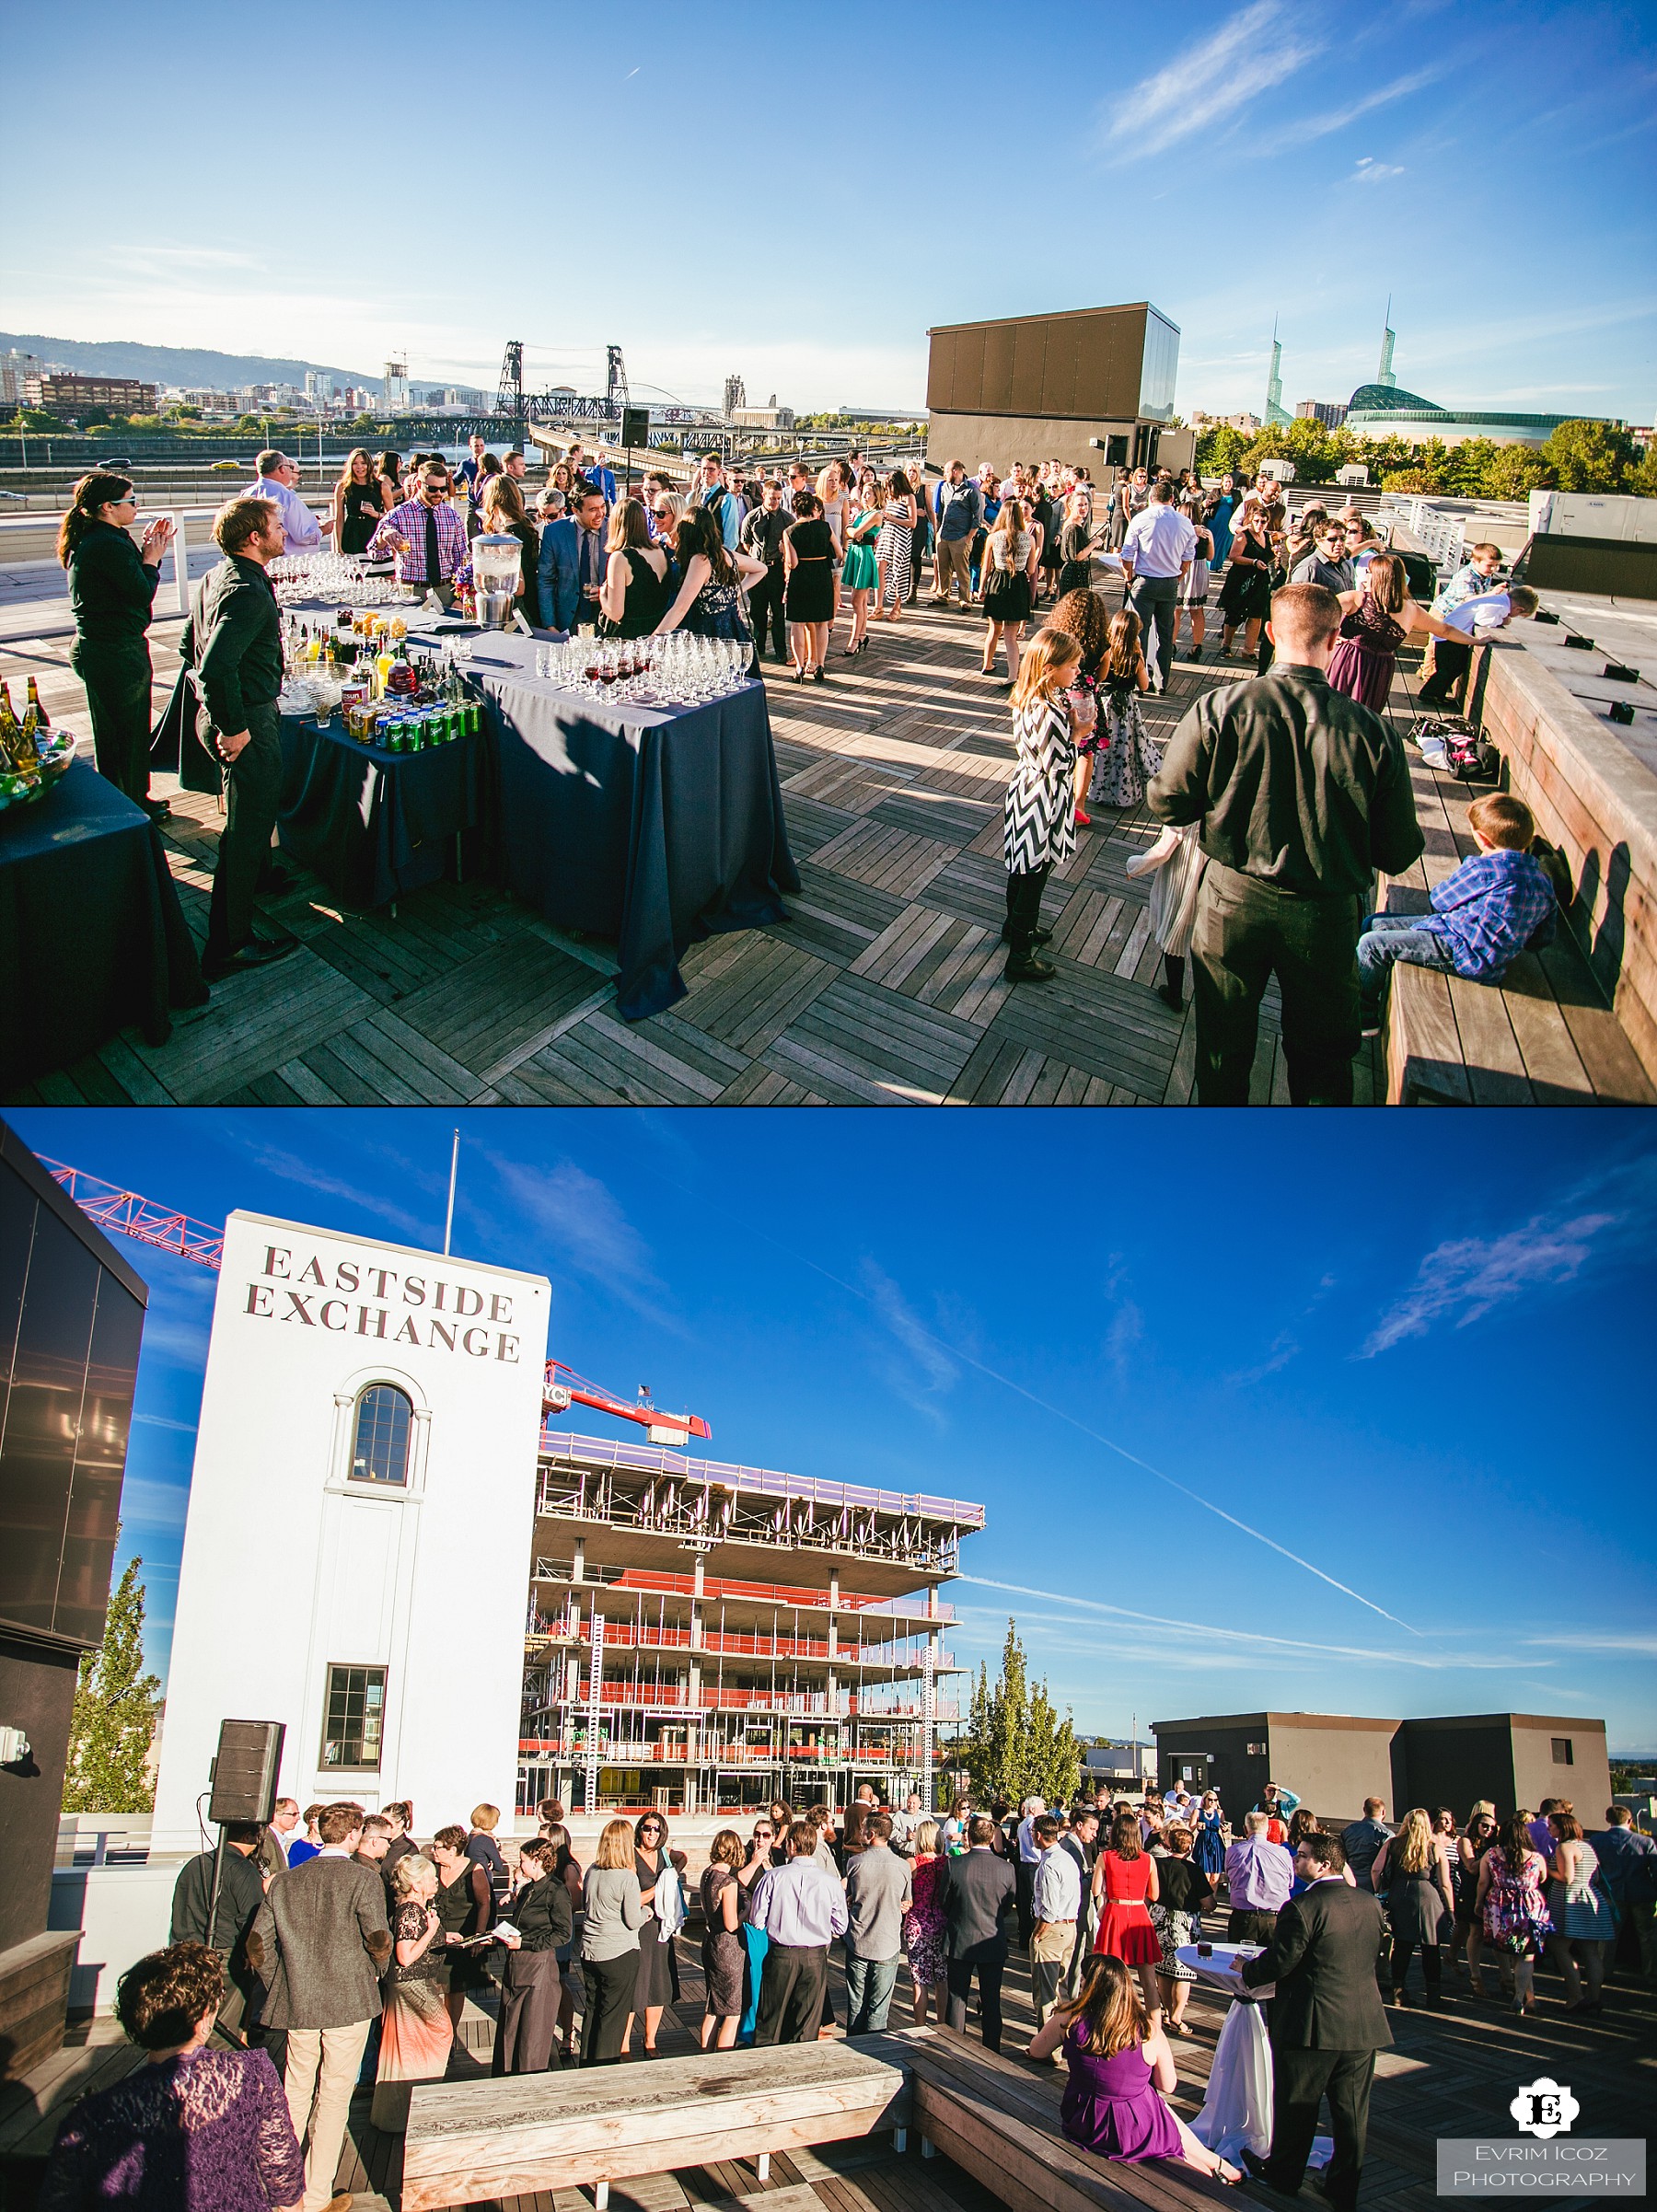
<point x="884" y="987"/>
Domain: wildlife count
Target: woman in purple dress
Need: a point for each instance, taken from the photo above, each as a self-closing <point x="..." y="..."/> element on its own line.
<point x="1375" y="620"/>
<point x="191" y="2130"/>
<point x="1121" y="2075"/>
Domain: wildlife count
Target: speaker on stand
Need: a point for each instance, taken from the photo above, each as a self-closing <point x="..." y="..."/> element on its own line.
<point x="243" y="1784"/>
<point x="635" y="431"/>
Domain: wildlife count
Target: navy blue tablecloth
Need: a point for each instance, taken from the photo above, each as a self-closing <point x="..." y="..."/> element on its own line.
<point x="653" y="825"/>
<point x="92" y="936"/>
<point x="374" y="824"/>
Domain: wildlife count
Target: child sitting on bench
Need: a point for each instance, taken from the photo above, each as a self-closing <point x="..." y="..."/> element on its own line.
<point x="1495" y="906"/>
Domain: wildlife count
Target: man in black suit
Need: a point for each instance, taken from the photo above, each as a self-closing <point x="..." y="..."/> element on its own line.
<point x="978" y="1890"/>
<point x="1326" y="2023"/>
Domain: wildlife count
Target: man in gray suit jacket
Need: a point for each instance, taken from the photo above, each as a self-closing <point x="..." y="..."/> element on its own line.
<point x="1326" y="2023"/>
<point x="321" y="1943"/>
<point x="977" y="1893"/>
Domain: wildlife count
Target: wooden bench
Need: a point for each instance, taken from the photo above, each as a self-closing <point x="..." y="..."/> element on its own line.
<point x="997" y="2119"/>
<point x="468" y="2141"/>
<point x="1545" y="1036"/>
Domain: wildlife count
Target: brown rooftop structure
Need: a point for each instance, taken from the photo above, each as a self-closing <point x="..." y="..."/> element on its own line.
<point x="1333" y="1761"/>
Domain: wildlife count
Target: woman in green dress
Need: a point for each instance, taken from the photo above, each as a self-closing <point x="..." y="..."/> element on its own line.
<point x="860" y="575"/>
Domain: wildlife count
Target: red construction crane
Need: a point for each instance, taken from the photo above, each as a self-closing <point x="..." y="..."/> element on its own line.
<point x="129" y="1213"/>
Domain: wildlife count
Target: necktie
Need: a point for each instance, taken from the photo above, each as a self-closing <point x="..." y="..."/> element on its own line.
<point x="433" y="573"/>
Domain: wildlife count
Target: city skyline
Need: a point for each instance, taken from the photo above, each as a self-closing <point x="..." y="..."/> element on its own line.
<point x="1436" y="157"/>
<point x="1386" y="1461"/>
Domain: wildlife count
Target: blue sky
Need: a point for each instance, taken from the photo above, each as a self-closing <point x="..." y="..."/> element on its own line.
<point x="1339" y="1413"/>
<point x="870" y="171"/>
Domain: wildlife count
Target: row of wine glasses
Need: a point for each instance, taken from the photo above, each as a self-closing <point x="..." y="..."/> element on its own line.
<point x="336" y="576"/>
<point x="675" y="670"/>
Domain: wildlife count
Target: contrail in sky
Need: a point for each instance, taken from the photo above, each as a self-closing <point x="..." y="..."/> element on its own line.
<point x="1060" y="1413"/>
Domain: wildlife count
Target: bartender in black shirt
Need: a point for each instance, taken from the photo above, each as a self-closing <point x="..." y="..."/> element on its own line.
<point x="233" y="640"/>
<point x="111" y="589"/>
<point x="763" y="530"/>
<point x="1301" y="795"/>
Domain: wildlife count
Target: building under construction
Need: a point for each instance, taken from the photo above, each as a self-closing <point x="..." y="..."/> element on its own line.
<point x="702" y="1638"/>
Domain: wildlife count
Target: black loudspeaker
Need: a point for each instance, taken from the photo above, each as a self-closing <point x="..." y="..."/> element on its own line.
<point x="635" y="427"/>
<point x="244" y="1774"/>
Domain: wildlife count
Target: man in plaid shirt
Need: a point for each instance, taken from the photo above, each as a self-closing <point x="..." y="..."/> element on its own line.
<point x="1486" y="912"/>
<point x="427" y="534"/>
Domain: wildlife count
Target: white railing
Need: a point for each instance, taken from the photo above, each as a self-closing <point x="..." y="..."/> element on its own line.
<point x="1442" y="537"/>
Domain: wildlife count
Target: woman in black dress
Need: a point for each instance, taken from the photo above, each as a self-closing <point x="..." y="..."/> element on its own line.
<point x="357" y="504"/>
<point x="388" y="474"/>
<point x="465" y="1907"/>
<point x="634" y="595"/>
<point x="503" y="515"/>
<point x="111" y="589"/>
<point x="657" y="1980"/>
<point x="808" y="594"/>
<point x="1245" y="596"/>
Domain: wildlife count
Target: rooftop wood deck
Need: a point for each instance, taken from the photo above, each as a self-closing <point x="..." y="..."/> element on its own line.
<point x="1449" y="2073"/>
<point x="884" y="988"/>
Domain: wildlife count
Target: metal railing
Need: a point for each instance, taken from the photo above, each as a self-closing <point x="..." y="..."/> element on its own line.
<point x="1442" y="537"/>
<point x="586" y="1450"/>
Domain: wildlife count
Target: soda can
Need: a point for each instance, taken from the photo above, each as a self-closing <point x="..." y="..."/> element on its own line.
<point x="474" y="718"/>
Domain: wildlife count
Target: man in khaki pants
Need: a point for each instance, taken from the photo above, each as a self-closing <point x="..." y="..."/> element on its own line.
<point x="960" y="511"/>
<point x="1056" y="1906"/>
<point x="319" y="1944"/>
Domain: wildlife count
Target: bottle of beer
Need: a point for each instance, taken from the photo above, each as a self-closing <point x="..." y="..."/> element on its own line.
<point x="42" y="720"/>
<point x="11" y="730"/>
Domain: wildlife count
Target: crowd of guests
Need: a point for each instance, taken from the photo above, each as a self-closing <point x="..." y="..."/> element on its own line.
<point x="1277" y="801"/>
<point x="330" y="1949"/>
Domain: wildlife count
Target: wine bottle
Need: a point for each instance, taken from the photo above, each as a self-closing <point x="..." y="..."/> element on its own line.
<point x="42" y="719"/>
<point x="11" y="733"/>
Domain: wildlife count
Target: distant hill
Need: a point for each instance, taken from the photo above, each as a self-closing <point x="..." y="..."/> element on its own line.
<point x="188" y="365"/>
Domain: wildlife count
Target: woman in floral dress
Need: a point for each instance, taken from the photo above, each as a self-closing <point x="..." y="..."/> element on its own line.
<point x="1512" y="1900"/>
<point x="923" y="1924"/>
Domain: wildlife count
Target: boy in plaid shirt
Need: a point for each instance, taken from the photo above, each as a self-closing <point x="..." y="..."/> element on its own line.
<point x="1494" y="907"/>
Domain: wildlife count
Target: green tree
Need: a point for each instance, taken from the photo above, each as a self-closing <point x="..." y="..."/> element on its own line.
<point x="1469" y="466"/>
<point x="1016" y="1745"/>
<point x="1642" y="477"/>
<point x="1515" y="471"/>
<point x="113" y="1722"/>
<point x="1271" y="443"/>
<point x="1220" y="451"/>
<point x="1309" y="450"/>
<point x="1590" y="457"/>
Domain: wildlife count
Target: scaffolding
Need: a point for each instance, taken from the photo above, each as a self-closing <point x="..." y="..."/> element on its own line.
<point x="713" y="1693"/>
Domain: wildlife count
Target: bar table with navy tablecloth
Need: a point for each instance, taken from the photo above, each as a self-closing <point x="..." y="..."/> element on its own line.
<point x="92" y="936"/>
<point x="653" y="825"/>
<point x="375" y="824"/>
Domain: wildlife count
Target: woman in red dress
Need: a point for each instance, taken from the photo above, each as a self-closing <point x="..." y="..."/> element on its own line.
<point x="1124" y="1885"/>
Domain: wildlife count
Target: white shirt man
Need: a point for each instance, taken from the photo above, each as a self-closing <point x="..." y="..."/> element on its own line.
<point x="1156" y="554"/>
<point x="303" y="532"/>
<point x="1056" y="1905"/>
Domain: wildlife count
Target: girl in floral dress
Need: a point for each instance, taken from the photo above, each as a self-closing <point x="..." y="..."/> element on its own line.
<point x="924" y="1924"/>
<point x="1512" y="1900"/>
<point x="1128" y="757"/>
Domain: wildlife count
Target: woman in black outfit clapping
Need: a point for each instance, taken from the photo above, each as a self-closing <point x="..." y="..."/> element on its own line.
<point x="111" y="589"/>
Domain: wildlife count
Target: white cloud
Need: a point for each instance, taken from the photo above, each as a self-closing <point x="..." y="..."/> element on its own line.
<point x="581" y="1219"/>
<point x="1206" y="85"/>
<point x="159" y="1421"/>
<point x="1644" y="1647"/>
<point x="1462" y="1280"/>
<point x="928" y="1373"/>
<point x="288" y="1168"/>
<point x="1374" y="172"/>
<point x="1283" y="1348"/>
<point x="1320" y="126"/>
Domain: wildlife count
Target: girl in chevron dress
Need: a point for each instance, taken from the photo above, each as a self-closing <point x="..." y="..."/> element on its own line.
<point x="1040" y="832"/>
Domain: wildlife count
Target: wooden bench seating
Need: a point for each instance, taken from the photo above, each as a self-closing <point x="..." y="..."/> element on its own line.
<point x="1545" y="1036"/>
<point x="997" y="2119"/>
<point x="470" y="2141"/>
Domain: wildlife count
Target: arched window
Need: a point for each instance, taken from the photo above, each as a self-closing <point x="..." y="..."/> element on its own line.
<point x="380" y="1452"/>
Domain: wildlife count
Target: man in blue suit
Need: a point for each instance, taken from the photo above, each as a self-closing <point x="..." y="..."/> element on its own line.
<point x="573" y="563"/>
